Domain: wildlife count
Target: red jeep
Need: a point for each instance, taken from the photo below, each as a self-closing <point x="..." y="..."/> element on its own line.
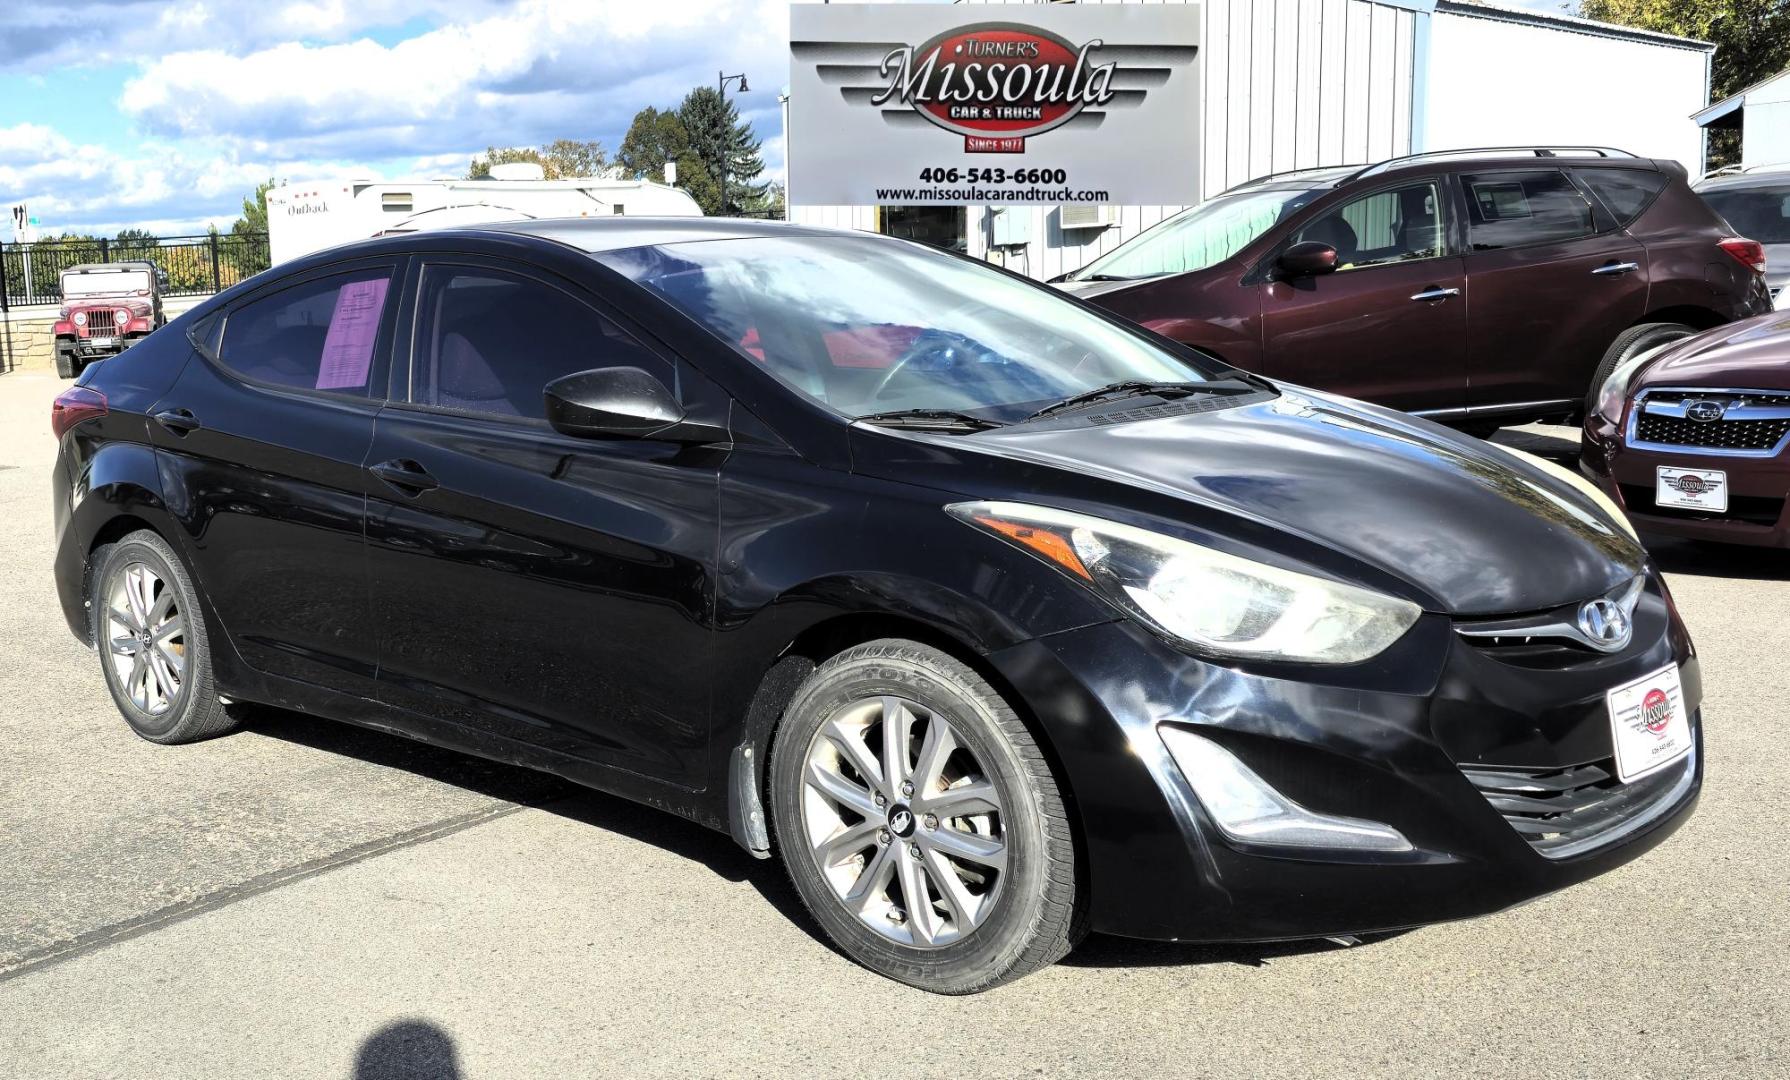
<point x="106" y="308"/>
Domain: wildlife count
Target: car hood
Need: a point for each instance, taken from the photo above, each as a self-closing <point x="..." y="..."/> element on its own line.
<point x="1753" y="354"/>
<point x="1088" y="290"/>
<point x="1471" y="529"/>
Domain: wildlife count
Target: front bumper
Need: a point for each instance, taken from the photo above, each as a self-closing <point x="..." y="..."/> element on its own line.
<point x="1758" y="488"/>
<point x="1384" y="741"/>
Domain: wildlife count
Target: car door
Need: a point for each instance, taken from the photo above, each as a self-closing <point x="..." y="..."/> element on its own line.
<point x="533" y="586"/>
<point x="262" y="445"/>
<point x="1388" y="324"/>
<point x="1551" y="282"/>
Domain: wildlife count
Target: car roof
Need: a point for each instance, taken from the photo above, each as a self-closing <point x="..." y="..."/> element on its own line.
<point x="111" y="267"/>
<point x="617" y="233"/>
<point x="1451" y="161"/>
<point x="1769" y="176"/>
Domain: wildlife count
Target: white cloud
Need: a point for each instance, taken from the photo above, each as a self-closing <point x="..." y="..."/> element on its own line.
<point x="541" y="70"/>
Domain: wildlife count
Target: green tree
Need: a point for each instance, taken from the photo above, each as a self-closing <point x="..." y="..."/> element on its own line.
<point x="132" y="244"/>
<point x="1751" y="37"/>
<point x="561" y="159"/>
<point x="653" y="139"/>
<point x="254" y="210"/>
<point x="727" y="148"/>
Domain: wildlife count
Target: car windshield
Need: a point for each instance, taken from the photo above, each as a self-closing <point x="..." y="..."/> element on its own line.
<point x="111" y="283"/>
<point x="1761" y="214"/>
<point x="871" y="326"/>
<point x="1195" y="239"/>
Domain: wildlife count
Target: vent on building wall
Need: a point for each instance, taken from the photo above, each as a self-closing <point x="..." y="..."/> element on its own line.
<point x="1084" y="216"/>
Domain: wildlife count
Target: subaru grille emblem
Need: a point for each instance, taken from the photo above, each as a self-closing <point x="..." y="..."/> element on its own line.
<point x="1604" y="623"/>
<point x="1705" y="412"/>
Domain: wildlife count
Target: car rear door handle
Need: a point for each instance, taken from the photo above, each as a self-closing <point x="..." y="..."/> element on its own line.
<point x="405" y="475"/>
<point x="178" y="421"/>
<point x="1435" y="293"/>
<point x="1617" y="268"/>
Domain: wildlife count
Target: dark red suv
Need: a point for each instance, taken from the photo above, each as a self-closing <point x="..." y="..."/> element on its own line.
<point x="1476" y="287"/>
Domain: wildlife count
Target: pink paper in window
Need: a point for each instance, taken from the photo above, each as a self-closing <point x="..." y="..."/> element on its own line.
<point x="348" y="348"/>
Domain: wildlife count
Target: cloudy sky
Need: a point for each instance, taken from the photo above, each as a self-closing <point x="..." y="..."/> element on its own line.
<point x="163" y="115"/>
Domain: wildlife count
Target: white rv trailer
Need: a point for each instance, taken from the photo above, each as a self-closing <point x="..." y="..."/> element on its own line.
<point x="307" y="217"/>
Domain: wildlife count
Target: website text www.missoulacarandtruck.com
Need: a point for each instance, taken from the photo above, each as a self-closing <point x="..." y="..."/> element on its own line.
<point x="898" y="196"/>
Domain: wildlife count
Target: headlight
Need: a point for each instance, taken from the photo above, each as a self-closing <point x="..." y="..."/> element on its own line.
<point x="1217" y="603"/>
<point x="80" y="318"/>
<point x="124" y="316"/>
<point x="1613" y="394"/>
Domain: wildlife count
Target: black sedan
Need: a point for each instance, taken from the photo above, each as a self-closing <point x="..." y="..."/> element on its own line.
<point x="994" y="617"/>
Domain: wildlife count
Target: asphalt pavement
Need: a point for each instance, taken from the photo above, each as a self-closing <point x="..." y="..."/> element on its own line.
<point x="307" y="899"/>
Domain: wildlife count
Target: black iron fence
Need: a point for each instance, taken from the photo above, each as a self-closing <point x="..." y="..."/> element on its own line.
<point x="189" y="265"/>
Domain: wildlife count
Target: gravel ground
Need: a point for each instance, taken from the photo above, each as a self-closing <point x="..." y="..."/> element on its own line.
<point x="305" y="899"/>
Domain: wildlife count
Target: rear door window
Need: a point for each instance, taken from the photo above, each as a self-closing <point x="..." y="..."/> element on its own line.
<point x="1511" y="209"/>
<point x="1626" y="192"/>
<point x="319" y="335"/>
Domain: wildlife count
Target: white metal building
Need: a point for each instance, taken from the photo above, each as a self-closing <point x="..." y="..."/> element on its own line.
<point x="1292" y="84"/>
<point x="1762" y="114"/>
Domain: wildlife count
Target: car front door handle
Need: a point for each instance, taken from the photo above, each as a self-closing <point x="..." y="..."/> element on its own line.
<point x="1617" y="268"/>
<point x="405" y="475"/>
<point x="178" y="421"/>
<point x="1435" y="293"/>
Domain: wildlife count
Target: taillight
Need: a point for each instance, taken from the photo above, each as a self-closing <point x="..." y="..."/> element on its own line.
<point x="74" y="405"/>
<point x="1749" y="252"/>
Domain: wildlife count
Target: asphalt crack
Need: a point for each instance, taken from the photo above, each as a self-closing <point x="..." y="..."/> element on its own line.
<point x="149" y="922"/>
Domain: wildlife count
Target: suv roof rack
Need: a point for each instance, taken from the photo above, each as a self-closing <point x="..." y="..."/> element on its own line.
<point x="1496" y="151"/>
<point x="1742" y="170"/>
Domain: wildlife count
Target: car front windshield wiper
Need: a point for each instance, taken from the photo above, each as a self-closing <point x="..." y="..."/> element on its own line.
<point x="1139" y="387"/>
<point x="939" y="419"/>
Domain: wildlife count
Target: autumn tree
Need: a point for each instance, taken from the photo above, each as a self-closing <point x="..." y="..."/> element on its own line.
<point x="561" y="159"/>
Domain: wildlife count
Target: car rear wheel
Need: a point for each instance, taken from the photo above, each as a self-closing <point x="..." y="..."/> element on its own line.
<point x="151" y="641"/>
<point x="1631" y="343"/>
<point x="920" y="821"/>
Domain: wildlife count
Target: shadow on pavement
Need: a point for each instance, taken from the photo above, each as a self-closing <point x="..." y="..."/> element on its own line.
<point x="408" y="1050"/>
<point x="1101" y="951"/>
<point x="666" y="831"/>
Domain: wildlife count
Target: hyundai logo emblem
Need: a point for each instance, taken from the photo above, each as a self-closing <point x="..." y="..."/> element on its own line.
<point x="1705" y="412"/>
<point x="901" y="821"/>
<point x="1604" y="624"/>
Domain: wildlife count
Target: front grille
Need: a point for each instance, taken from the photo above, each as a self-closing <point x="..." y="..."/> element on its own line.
<point x="1659" y="420"/>
<point x="1753" y="509"/>
<point x="99" y="322"/>
<point x="1564" y="812"/>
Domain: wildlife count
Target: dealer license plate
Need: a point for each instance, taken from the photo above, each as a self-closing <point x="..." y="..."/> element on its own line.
<point x="1691" y="489"/>
<point x="1648" y="724"/>
<point x="102" y="342"/>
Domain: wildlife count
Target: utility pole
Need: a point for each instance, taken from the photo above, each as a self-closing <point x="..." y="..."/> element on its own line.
<point x="721" y="81"/>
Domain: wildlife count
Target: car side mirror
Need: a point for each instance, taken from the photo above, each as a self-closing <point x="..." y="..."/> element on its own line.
<point x="616" y="401"/>
<point x="1306" y="258"/>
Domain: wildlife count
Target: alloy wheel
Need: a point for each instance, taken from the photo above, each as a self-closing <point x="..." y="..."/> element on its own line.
<point x="145" y="633"/>
<point x="902" y="821"/>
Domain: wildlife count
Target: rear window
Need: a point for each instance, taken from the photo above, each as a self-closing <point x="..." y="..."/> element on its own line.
<point x="316" y="336"/>
<point x="1761" y="214"/>
<point x="1510" y="209"/>
<point x="1625" y="191"/>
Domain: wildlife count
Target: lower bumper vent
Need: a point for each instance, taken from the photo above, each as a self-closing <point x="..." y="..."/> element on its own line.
<point x="1566" y="812"/>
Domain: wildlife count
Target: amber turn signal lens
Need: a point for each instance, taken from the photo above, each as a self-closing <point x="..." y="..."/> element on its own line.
<point x="1047" y="544"/>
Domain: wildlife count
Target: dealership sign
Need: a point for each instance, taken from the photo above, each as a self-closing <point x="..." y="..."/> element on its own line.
<point x="949" y="104"/>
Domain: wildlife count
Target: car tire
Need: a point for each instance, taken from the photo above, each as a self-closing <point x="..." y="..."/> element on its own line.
<point x="67" y="364"/>
<point x="150" y="635"/>
<point x="1632" y="342"/>
<point x="978" y="925"/>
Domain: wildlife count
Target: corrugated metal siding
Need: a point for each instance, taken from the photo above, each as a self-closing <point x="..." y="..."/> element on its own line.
<point x="1289" y="84"/>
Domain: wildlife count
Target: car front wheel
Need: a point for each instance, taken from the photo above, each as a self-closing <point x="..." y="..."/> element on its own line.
<point x="151" y="640"/>
<point x="920" y="821"/>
